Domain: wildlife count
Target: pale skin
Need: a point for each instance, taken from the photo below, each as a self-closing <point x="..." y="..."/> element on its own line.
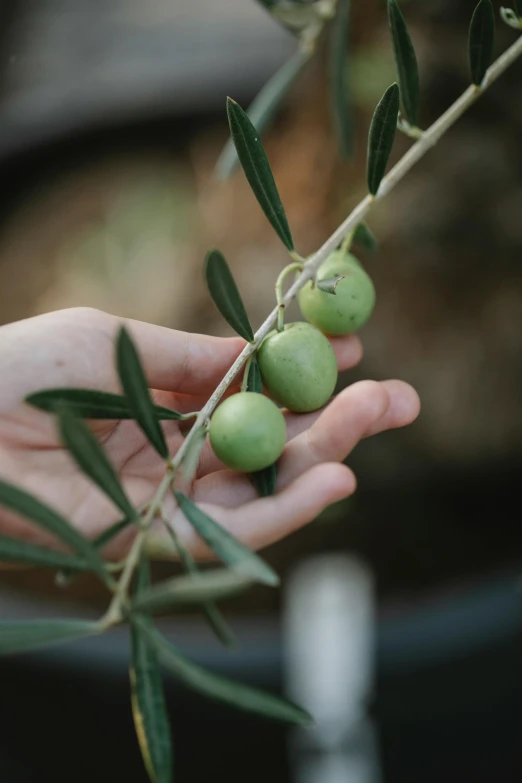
<point x="75" y="348"/>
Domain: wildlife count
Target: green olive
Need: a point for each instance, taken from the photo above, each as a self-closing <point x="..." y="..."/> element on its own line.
<point x="248" y="432"/>
<point x="352" y="304"/>
<point x="298" y="367"/>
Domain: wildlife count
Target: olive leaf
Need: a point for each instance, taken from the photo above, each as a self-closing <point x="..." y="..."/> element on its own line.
<point x="190" y="589"/>
<point x="66" y="575"/>
<point x="91" y="459"/>
<point x="329" y="284"/>
<point x="406" y="63"/>
<point x="381" y="137"/>
<point x="214" y="686"/>
<point x="215" y="619"/>
<point x="262" y="109"/>
<point x="340" y="101"/>
<point x="265" y="481"/>
<point x="481" y="40"/>
<point x="365" y="238"/>
<point x="111" y="532"/>
<point x="12" y="550"/>
<point x="224" y="292"/>
<point x="254" y="380"/>
<point x="22" y="503"/>
<point x="90" y="404"/>
<point x="257" y="170"/>
<point x="149" y="710"/>
<point x="225" y="546"/>
<point x="24" y="636"/>
<point x="136" y="390"/>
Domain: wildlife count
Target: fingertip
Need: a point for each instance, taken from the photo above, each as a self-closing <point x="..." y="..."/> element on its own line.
<point x="404" y="402"/>
<point x="334" y="481"/>
<point x="373" y="399"/>
<point x="348" y="351"/>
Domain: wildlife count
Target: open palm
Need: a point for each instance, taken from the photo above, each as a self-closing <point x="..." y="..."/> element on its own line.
<point x="75" y="348"/>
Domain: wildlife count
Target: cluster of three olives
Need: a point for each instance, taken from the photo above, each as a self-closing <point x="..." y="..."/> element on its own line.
<point x="297" y="365"/>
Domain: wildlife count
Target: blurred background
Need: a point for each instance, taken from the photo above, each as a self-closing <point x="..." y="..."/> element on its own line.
<point x="400" y="620"/>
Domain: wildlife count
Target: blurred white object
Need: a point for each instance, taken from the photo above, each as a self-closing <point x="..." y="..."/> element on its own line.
<point x="329" y="628"/>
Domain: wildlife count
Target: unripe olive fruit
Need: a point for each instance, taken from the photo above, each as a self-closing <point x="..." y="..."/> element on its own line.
<point x="248" y="432"/>
<point x="298" y="367"/>
<point x="352" y="304"/>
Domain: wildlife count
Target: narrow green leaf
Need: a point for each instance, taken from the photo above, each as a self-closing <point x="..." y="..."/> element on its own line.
<point x="264" y="106"/>
<point x="81" y="443"/>
<point x="224" y="292"/>
<point x="90" y="404"/>
<point x="136" y="390"/>
<point x="225" y="546"/>
<point x="12" y="550"/>
<point x="24" y="636"/>
<point x="149" y="710"/>
<point x="329" y="284"/>
<point x="365" y="238"/>
<point x="257" y="170"/>
<point x="381" y="136"/>
<point x="214" y="686"/>
<point x="22" y="503"/>
<point x="517" y="6"/>
<point x="111" y="532"/>
<point x="190" y="589"/>
<point x="265" y="481"/>
<point x="254" y="380"/>
<point x="481" y="40"/>
<point x="341" y="104"/>
<point x="66" y="575"/>
<point x="213" y="615"/>
<point x="406" y="64"/>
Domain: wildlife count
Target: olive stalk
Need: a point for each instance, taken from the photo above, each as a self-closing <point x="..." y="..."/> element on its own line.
<point x="308" y="270"/>
<point x="296" y="266"/>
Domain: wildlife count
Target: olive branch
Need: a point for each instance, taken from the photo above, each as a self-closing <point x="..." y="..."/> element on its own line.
<point x="134" y="599"/>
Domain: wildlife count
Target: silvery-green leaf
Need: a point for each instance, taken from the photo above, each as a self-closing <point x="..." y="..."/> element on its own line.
<point x="236" y="694"/>
<point x="254" y="162"/>
<point x="90" y="404"/>
<point x="28" y="506"/>
<point x="225" y="546"/>
<point x="365" y="238"/>
<point x="225" y="293"/>
<point x="265" y="481"/>
<point x="381" y="136"/>
<point x="254" y="381"/>
<point x="264" y="106"/>
<point x="190" y="589"/>
<point x="13" y="550"/>
<point x="25" y="636"/>
<point x="340" y="100"/>
<point x="481" y="40"/>
<point x="136" y="390"/>
<point x="149" y="710"/>
<point x="81" y="443"/>
<point x="406" y="64"/>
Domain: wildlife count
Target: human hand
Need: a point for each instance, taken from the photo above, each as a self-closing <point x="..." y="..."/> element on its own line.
<point x="75" y="348"/>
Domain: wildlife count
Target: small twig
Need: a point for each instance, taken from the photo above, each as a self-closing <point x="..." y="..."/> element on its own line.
<point x="296" y="266"/>
<point x="114" y="612"/>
